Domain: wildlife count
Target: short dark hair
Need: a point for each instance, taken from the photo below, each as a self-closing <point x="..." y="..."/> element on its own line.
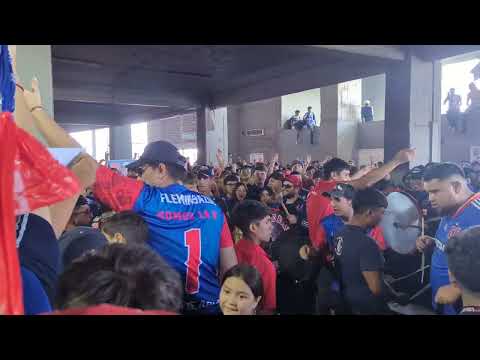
<point x="80" y="202"/>
<point x="260" y="167"/>
<point x="334" y="165"/>
<point x="190" y="179"/>
<point x="124" y="275"/>
<point x="442" y="171"/>
<point x="249" y="275"/>
<point x="268" y="189"/>
<point x="368" y="199"/>
<point x="230" y="178"/>
<point x="247" y="213"/>
<point x="176" y="172"/>
<point x="307" y="183"/>
<point x="463" y="254"/>
<point x="130" y="225"/>
<point x="318" y="174"/>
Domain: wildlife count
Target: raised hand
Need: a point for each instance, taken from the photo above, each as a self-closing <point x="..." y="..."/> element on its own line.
<point x="33" y="98"/>
<point x="405" y="156"/>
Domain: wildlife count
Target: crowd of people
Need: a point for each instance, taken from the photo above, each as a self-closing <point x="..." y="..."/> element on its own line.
<point x="240" y="238"/>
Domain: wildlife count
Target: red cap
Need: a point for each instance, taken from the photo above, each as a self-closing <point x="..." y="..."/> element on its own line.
<point x="294" y="180"/>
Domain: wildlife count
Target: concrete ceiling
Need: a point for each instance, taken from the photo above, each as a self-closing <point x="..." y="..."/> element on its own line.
<point x="114" y="84"/>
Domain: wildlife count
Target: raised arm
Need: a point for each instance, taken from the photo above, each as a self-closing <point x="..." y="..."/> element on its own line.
<point x="272" y="165"/>
<point x="374" y="176"/>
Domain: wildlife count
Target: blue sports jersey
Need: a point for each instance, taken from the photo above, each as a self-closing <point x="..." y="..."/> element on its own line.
<point x="186" y="228"/>
<point x="467" y="216"/>
<point x="332" y="225"/>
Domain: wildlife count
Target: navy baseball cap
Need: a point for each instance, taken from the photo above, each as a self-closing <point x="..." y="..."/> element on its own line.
<point x="343" y="190"/>
<point x="161" y="152"/>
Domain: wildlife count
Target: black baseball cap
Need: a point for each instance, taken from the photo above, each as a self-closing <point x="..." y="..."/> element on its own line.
<point x="205" y="172"/>
<point x="161" y="152"/>
<point x="278" y="175"/>
<point x="260" y="167"/>
<point x="343" y="190"/>
<point x="295" y="162"/>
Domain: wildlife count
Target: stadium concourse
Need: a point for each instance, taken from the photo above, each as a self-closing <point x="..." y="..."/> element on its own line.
<point x="238" y="180"/>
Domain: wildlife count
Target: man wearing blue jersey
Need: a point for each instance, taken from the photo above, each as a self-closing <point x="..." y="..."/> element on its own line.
<point x="460" y="209"/>
<point x="186" y="228"/>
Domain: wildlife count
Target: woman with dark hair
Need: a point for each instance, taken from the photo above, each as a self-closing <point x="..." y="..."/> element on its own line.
<point x="240" y="192"/>
<point x="242" y="290"/>
<point x="129" y="276"/>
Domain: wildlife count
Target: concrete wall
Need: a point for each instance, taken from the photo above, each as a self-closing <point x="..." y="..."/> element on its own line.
<point x="371" y="135"/>
<point x="179" y="130"/>
<point x="301" y="101"/>
<point x="265" y="114"/>
<point x="373" y="89"/>
<point x="36" y="60"/>
<point x="456" y="147"/>
<point x="120" y="142"/>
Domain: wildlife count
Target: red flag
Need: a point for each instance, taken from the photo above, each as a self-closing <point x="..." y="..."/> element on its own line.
<point x="29" y="179"/>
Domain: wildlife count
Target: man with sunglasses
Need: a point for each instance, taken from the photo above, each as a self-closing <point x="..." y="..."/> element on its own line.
<point x="81" y="215"/>
<point x="291" y="198"/>
<point x="227" y="202"/>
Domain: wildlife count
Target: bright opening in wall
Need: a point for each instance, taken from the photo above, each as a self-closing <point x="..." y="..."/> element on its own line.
<point x="191" y="154"/>
<point x="95" y="142"/>
<point x="458" y="76"/>
<point x="139" y="138"/>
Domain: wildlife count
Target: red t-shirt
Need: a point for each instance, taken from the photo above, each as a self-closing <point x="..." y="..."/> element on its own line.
<point x="252" y="254"/>
<point x="107" y="309"/>
<point x="318" y="207"/>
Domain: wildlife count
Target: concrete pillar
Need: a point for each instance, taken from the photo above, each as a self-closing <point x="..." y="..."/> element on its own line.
<point x="121" y="142"/>
<point x="409" y="109"/>
<point x="349" y="107"/>
<point x="217" y="134"/>
<point x="35" y="60"/>
<point x="328" y="126"/>
<point x="202" y="115"/>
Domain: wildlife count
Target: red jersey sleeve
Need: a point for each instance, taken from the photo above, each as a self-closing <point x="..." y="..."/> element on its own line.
<point x="320" y="238"/>
<point x="117" y="191"/>
<point x="269" y="279"/>
<point x="377" y="234"/>
<point x="318" y="207"/>
<point x="225" y="236"/>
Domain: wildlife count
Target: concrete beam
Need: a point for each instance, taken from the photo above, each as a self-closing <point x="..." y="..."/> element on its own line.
<point x="299" y="81"/>
<point x="382" y="51"/>
<point x="101" y="94"/>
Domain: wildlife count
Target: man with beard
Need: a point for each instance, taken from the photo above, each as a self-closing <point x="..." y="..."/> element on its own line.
<point x="292" y="201"/>
<point x="276" y="184"/>
<point x="460" y="209"/>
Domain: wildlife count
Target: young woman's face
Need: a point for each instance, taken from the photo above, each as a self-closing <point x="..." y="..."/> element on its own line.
<point x="241" y="193"/>
<point x="236" y="298"/>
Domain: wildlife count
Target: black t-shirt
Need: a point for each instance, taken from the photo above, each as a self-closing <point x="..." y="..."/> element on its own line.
<point x="356" y="252"/>
<point x="295" y="208"/>
<point x="38" y="250"/>
<point x="254" y="192"/>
